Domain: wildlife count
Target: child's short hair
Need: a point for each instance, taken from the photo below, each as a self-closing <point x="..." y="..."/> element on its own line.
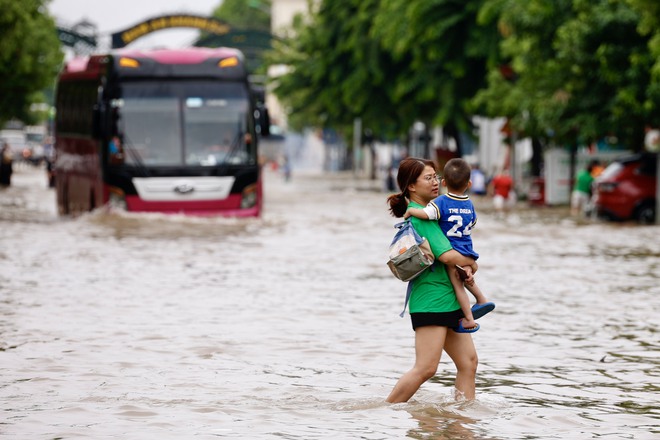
<point x="457" y="174"/>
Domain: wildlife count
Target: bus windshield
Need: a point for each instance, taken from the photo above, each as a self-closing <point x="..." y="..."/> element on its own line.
<point x="174" y="123"/>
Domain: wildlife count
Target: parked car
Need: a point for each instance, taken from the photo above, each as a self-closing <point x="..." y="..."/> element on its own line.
<point x="626" y="190"/>
<point x="35" y="136"/>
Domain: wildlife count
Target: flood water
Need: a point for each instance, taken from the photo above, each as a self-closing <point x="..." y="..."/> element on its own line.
<point x="126" y="326"/>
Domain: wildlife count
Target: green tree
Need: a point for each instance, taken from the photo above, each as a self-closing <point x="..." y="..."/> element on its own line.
<point x="338" y="71"/>
<point x="450" y="51"/>
<point x="528" y="82"/>
<point x="249" y="23"/>
<point x="649" y="26"/>
<point x="245" y="14"/>
<point x="390" y="63"/>
<point x="581" y="67"/>
<point x="30" y="56"/>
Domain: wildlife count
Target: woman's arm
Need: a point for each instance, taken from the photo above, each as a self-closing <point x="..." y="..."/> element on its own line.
<point x="441" y="245"/>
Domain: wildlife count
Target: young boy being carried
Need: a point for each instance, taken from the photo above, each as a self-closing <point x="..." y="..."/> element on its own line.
<point x="457" y="217"/>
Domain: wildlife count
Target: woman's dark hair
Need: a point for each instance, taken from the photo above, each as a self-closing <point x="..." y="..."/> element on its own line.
<point x="409" y="171"/>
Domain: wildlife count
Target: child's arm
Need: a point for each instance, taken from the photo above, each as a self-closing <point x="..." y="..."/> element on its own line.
<point x="430" y="212"/>
<point x="416" y="212"/>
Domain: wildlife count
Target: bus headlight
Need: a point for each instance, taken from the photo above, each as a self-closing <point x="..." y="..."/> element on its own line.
<point x="249" y="197"/>
<point x="117" y="199"/>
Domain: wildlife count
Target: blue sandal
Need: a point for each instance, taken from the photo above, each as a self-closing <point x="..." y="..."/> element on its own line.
<point x="479" y="310"/>
<point x="461" y="329"/>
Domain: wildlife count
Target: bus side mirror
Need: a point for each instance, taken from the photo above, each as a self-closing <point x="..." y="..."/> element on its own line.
<point x="263" y="121"/>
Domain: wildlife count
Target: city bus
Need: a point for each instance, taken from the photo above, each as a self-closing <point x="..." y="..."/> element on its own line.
<point x="168" y="130"/>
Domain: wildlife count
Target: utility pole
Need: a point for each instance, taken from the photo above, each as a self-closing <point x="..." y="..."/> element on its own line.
<point x="357" y="144"/>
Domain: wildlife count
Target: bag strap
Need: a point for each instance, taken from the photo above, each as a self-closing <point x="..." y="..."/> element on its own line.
<point x="399" y="232"/>
<point x="409" y="291"/>
<point x="405" y="304"/>
<point x="407" y="224"/>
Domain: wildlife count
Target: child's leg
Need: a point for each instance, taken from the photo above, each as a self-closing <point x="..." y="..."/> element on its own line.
<point x="476" y="291"/>
<point x="462" y="297"/>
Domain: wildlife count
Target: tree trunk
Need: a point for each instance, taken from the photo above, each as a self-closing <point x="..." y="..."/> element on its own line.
<point x="426" y="139"/>
<point x="453" y="133"/>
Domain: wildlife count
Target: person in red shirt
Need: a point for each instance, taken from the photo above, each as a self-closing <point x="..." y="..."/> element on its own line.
<point x="502" y="191"/>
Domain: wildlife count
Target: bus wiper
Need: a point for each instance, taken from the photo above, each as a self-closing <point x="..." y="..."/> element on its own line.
<point x="135" y="155"/>
<point x="235" y="143"/>
<point x="233" y="148"/>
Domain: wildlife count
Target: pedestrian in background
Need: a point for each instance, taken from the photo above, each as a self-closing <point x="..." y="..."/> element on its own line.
<point x="478" y="181"/>
<point x="285" y="167"/>
<point x="501" y="188"/>
<point x="6" y="165"/>
<point x="582" y="189"/>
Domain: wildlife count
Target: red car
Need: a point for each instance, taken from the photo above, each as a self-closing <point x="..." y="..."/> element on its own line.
<point x="626" y="190"/>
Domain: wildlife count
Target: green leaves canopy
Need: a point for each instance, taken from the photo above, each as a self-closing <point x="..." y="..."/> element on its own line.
<point x="30" y="56"/>
<point x="337" y="70"/>
<point x="582" y="70"/>
<point x="245" y="14"/>
<point x="362" y="59"/>
<point x="566" y="71"/>
<point x="449" y="52"/>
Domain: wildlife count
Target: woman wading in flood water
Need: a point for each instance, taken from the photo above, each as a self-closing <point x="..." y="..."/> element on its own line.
<point x="434" y="309"/>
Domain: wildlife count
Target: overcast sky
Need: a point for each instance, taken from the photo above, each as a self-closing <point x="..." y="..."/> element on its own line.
<point x="114" y="15"/>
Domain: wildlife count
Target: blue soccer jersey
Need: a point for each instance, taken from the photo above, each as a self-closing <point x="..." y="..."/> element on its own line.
<point x="456" y="217"/>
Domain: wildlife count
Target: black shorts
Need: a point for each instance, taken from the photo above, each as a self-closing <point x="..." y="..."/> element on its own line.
<point x="442" y="319"/>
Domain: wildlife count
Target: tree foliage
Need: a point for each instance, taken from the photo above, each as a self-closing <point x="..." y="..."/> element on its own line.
<point x="337" y="71"/>
<point x="30" y="56"/>
<point x="388" y="62"/>
<point x="649" y="26"/>
<point x="566" y="71"/>
<point x="245" y="14"/>
<point x="581" y="70"/>
<point x="449" y="51"/>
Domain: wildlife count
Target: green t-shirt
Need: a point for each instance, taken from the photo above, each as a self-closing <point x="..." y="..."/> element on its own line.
<point x="432" y="290"/>
<point x="583" y="182"/>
